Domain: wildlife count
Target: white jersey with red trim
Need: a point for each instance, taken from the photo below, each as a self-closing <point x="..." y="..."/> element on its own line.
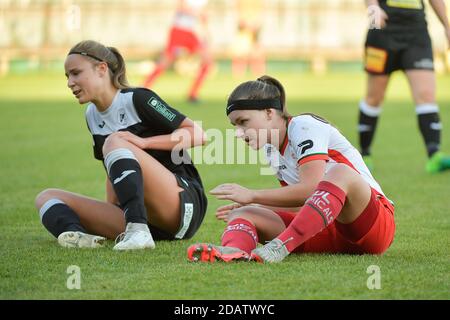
<point x="187" y="19"/>
<point x="311" y="138"/>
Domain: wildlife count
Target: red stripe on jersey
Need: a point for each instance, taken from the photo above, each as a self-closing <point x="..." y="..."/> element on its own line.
<point x="283" y="183"/>
<point x="313" y="157"/>
<point x="340" y="158"/>
<point x="286" y="140"/>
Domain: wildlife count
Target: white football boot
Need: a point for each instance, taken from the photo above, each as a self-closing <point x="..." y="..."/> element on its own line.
<point x="78" y="239"/>
<point x="272" y="252"/>
<point x="136" y="236"/>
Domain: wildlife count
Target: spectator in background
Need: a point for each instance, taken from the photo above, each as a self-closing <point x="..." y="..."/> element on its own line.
<point x="246" y="49"/>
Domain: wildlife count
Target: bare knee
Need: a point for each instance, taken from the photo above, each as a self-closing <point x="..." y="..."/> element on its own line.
<point x="374" y="100"/>
<point x="44" y="196"/>
<point x="242" y="213"/>
<point x="425" y="96"/>
<point x="113" y="141"/>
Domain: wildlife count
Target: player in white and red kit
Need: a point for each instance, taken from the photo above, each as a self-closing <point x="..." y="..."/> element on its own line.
<point x="343" y="209"/>
<point x="190" y="19"/>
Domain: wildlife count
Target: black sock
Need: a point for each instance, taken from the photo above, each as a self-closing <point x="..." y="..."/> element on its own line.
<point x="368" y="118"/>
<point x="126" y="178"/>
<point x="57" y="217"/>
<point x="430" y="126"/>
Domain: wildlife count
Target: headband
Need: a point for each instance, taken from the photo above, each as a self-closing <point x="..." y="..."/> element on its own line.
<point x="86" y="54"/>
<point x="93" y="57"/>
<point x="254" y="104"/>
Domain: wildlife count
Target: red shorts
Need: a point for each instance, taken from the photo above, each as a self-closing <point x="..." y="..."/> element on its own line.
<point x="181" y="38"/>
<point x="372" y="232"/>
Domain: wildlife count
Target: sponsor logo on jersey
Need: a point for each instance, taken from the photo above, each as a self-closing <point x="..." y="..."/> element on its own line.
<point x="161" y="109"/>
<point x="101" y="125"/>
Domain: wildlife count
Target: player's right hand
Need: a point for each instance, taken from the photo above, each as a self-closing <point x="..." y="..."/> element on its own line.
<point x="223" y="211"/>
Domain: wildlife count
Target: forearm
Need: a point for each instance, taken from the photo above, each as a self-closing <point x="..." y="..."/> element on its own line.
<point x="288" y="197"/>
<point x="289" y="209"/>
<point x="182" y="138"/>
<point x="372" y="3"/>
<point x="441" y="11"/>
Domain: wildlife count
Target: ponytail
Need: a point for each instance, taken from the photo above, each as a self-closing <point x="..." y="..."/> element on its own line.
<point x="118" y="75"/>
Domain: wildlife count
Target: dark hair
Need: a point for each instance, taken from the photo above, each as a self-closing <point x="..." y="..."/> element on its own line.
<point x="264" y="87"/>
<point x="111" y="56"/>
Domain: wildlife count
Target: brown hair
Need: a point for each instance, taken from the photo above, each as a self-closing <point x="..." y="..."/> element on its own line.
<point x="96" y="52"/>
<point x="264" y="87"/>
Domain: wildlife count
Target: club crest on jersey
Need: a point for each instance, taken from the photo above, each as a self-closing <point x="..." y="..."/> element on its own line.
<point x="122" y="116"/>
<point x="161" y="109"/>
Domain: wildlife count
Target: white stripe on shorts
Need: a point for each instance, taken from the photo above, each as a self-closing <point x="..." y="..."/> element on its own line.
<point x="188" y="213"/>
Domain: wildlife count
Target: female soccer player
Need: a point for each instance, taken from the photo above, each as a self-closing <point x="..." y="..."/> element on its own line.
<point x="343" y="208"/>
<point x="185" y="33"/>
<point x="153" y="191"/>
<point x="399" y="40"/>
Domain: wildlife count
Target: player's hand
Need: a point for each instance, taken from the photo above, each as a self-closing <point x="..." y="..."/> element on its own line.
<point x="377" y="16"/>
<point x="223" y="211"/>
<point x="134" y="139"/>
<point x="233" y="192"/>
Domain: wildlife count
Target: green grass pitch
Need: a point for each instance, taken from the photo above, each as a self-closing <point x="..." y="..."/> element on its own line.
<point x="45" y="143"/>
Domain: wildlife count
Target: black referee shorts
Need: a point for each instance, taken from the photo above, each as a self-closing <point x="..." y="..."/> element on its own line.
<point x="388" y="51"/>
<point x="193" y="204"/>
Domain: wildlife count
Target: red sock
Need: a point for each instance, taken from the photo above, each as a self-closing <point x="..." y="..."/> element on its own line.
<point x="199" y="80"/>
<point x="240" y="233"/>
<point x="317" y="213"/>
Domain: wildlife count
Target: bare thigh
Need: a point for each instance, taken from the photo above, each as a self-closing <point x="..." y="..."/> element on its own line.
<point x="267" y="223"/>
<point x="358" y="191"/>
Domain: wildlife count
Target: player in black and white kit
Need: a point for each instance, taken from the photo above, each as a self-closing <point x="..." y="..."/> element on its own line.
<point x="153" y="190"/>
<point x="399" y="40"/>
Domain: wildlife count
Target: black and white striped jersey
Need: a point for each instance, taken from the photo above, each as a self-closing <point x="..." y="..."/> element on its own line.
<point x="143" y="113"/>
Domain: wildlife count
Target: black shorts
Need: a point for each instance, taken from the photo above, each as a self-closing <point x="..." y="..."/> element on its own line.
<point x="388" y="51"/>
<point x="193" y="204"/>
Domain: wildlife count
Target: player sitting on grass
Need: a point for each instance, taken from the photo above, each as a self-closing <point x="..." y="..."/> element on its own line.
<point x="149" y="196"/>
<point x="343" y="208"/>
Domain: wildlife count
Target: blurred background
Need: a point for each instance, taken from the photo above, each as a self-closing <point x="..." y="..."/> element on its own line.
<point x="318" y="35"/>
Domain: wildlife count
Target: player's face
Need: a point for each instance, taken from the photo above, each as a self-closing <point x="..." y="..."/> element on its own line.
<point x="252" y="126"/>
<point x="83" y="78"/>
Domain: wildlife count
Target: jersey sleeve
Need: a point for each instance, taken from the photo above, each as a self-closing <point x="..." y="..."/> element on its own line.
<point x="155" y="112"/>
<point x="309" y="137"/>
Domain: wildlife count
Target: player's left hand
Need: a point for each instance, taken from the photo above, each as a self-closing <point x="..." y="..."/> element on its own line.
<point x="233" y="192"/>
<point x="134" y="139"/>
